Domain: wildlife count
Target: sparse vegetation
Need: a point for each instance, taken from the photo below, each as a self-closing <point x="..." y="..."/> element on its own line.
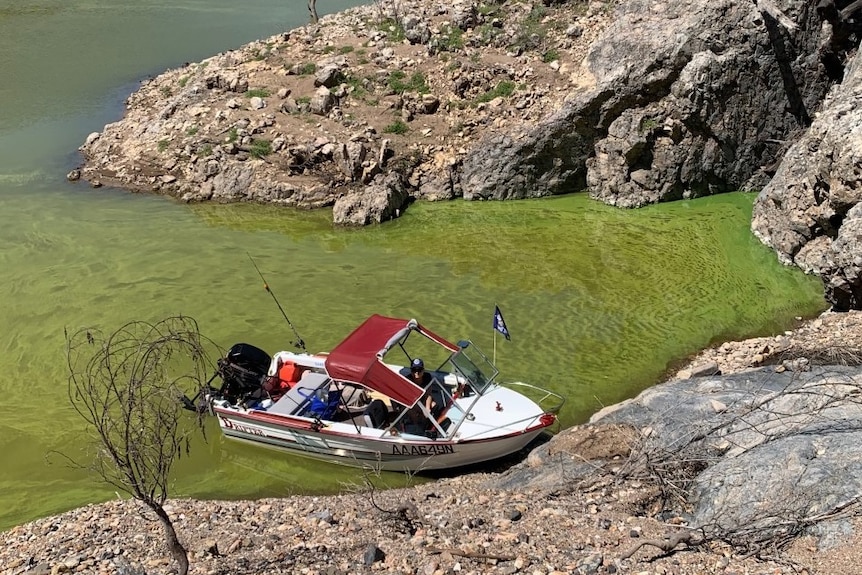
<point x="397" y="127"/>
<point x="550" y="55"/>
<point x="648" y="125"/>
<point x="260" y="148"/>
<point x="502" y="90"/>
<point x="416" y="82"/>
<point x="258" y="92"/>
<point x="393" y="28"/>
<point x="303" y="100"/>
<point x="183" y="81"/>
<point x="450" y="39"/>
<point x="307" y="68"/>
<point x="357" y="86"/>
<point x="345" y="50"/>
<point x="191" y="130"/>
<point x="162" y="145"/>
<point x="532" y="31"/>
<point x="488" y="33"/>
<point x="232" y="135"/>
<point x="207" y="151"/>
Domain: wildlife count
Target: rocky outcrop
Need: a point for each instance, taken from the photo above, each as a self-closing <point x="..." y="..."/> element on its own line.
<point x="753" y="459"/>
<point x="691" y="98"/>
<point x="317" y="116"/>
<point x="382" y="200"/>
<point x="768" y="451"/>
<point x="810" y="212"/>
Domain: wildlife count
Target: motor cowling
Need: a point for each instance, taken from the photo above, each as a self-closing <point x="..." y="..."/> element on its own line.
<point x="242" y="370"/>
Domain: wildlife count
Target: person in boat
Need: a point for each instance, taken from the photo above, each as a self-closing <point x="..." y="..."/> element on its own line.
<point x="414" y="422"/>
<point x="433" y="398"/>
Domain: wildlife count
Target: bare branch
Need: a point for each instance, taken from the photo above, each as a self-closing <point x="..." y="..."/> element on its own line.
<point x="129" y="386"/>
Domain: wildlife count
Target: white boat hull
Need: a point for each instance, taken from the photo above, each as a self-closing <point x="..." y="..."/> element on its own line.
<point x="368" y="447"/>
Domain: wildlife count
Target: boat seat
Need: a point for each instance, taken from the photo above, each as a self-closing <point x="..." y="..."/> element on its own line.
<point x="375" y="414"/>
<point x="297" y="397"/>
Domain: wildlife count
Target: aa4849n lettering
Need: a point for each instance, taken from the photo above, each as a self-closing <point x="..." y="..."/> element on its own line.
<point x="425" y="450"/>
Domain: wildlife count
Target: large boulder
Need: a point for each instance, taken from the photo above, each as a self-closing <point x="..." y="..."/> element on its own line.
<point x="383" y="199"/>
<point x="809" y="213"/>
<point x="691" y="97"/>
<point x="745" y="458"/>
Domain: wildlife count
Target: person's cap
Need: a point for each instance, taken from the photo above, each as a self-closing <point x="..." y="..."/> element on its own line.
<point x="417" y="365"/>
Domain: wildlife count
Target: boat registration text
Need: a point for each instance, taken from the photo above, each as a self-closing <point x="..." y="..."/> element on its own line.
<point x="239" y="427"/>
<point x="425" y="450"/>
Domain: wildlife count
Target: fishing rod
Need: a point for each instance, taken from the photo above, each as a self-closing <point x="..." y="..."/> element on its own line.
<point x="299" y="343"/>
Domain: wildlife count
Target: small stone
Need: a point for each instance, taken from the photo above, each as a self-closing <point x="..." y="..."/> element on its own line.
<point x="372" y="554"/>
<point x="604" y="523"/>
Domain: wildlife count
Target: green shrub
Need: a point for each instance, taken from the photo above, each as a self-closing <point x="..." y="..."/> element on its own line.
<point x="183" y="81"/>
<point x="345" y="50"/>
<point x="259" y="92"/>
<point x="307" y="68"/>
<point x="357" y="84"/>
<point x="532" y="32"/>
<point x="396" y="127"/>
<point x="163" y="145"/>
<point x="393" y="29"/>
<point x="260" y="148"/>
<point x="502" y="90"/>
<point x="648" y="125"/>
<point x="451" y="39"/>
<point x="550" y="56"/>
<point x="232" y="135"/>
<point x="416" y="83"/>
<point x="488" y="33"/>
<point x="191" y="130"/>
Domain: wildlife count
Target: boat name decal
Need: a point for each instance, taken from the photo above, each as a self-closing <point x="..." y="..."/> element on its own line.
<point x="239" y="427"/>
<point x="427" y="450"/>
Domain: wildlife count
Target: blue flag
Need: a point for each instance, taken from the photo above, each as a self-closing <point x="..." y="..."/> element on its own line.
<point x="500" y="323"/>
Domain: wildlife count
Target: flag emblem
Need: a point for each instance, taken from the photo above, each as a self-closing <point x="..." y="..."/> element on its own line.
<point x="500" y="323"/>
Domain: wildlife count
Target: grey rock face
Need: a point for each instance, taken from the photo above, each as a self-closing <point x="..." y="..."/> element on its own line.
<point x="781" y="448"/>
<point x="688" y="97"/>
<point x="383" y="199"/>
<point x="809" y="213"/>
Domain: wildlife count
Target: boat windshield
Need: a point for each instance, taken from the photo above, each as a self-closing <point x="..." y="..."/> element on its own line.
<point x="473" y="365"/>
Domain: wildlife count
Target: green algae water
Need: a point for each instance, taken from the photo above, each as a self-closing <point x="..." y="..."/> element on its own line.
<point x="599" y="301"/>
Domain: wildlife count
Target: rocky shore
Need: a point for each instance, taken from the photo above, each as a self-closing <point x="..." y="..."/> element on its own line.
<point x="570" y="507"/>
<point x="365" y="111"/>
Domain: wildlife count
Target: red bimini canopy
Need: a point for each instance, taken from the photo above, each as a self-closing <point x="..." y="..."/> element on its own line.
<point x="359" y="358"/>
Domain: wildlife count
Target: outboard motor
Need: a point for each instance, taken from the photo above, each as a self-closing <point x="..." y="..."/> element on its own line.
<point x="243" y="370"/>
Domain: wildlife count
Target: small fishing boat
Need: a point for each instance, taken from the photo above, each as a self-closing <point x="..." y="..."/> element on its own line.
<point x="370" y="402"/>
